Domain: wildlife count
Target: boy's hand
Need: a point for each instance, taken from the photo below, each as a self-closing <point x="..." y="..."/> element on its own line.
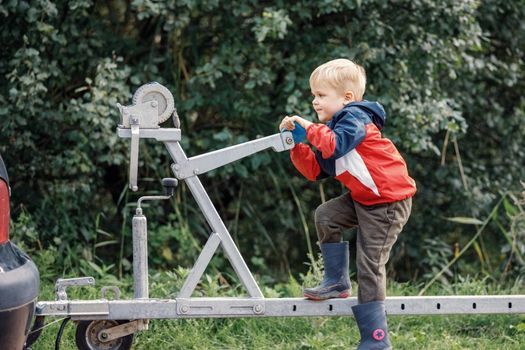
<point x="287" y="122"/>
<point x="290" y="123"/>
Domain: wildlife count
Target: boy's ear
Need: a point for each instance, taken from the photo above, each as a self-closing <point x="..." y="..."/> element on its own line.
<point x="349" y="96"/>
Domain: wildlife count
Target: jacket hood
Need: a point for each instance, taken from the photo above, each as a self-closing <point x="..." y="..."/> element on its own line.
<point x="373" y="109"/>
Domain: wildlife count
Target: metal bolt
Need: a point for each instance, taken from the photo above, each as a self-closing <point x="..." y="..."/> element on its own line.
<point x="61" y="295"/>
<point x="196" y="171"/>
<point x="154" y="104"/>
<point x="258" y="309"/>
<point x="104" y="335"/>
<point x="176" y="167"/>
<point x="184" y="309"/>
<point x="289" y="140"/>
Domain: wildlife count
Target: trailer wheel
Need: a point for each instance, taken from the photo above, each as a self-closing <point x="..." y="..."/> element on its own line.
<point x="87" y="336"/>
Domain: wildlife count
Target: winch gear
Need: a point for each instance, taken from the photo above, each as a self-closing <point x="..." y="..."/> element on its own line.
<point x="159" y="93"/>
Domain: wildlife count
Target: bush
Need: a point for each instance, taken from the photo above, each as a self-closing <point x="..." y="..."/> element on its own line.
<point x="449" y="74"/>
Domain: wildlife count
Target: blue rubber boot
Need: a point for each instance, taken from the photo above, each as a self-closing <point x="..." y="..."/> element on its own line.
<point x="371" y="320"/>
<point x="336" y="283"/>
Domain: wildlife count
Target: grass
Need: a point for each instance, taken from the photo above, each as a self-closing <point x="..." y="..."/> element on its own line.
<point x="407" y="332"/>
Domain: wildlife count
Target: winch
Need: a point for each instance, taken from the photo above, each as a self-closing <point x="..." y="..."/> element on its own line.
<point x="152" y="105"/>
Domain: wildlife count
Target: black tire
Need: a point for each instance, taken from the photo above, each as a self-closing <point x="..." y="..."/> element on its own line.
<point x="87" y="331"/>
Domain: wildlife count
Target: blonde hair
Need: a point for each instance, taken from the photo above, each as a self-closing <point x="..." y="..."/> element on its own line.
<point x="342" y="75"/>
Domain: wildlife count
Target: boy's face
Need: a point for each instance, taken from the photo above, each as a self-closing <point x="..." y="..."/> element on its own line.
<point x="327" y="101"/>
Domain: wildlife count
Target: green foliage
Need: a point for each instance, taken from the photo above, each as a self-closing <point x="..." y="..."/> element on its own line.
<point x="450" y="75"/>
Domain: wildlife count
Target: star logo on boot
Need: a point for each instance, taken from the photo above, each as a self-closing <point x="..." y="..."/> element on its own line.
<point x="378" y="334"/>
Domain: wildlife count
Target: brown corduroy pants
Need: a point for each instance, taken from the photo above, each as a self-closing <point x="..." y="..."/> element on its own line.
<point x="378" y="227"/>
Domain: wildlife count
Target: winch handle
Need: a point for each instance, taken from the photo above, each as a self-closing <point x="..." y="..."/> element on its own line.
<point x="134" y="125"/>
<point x="134" y="154"/>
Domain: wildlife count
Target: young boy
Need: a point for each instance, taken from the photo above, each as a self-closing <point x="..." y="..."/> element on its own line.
<point x="349" y="146"/>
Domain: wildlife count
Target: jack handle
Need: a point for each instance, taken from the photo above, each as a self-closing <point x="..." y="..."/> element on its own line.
<point x="169" y="185"/>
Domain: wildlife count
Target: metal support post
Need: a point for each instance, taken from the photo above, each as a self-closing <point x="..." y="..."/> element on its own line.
<point x="140" y="255"/>
<point x="198" y="269"/>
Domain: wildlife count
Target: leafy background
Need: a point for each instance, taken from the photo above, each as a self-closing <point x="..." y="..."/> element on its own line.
<point x="449" y="73"/>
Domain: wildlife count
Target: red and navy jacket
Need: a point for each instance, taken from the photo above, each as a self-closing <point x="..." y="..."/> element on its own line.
<point x="351" y="149"/>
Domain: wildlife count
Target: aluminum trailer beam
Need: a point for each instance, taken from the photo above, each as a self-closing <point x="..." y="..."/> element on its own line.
<point x="275" y="307"/>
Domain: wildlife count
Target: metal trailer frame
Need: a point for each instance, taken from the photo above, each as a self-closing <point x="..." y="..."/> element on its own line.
<point x="142" y="308"/>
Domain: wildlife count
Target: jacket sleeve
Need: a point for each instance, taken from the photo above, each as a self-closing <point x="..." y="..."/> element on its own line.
<point x="346" y="135"/>
<point x="303" y="158"/>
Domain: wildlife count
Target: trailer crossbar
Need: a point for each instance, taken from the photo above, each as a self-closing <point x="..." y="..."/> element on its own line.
<point x="276" y="307"/>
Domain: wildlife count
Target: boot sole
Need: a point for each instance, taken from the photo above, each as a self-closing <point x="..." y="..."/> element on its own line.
<point x="341" y="295"/>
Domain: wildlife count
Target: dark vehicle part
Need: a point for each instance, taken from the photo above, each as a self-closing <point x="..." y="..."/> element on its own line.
<point x="19" y="279"/>
<point x="35" y="332"/>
